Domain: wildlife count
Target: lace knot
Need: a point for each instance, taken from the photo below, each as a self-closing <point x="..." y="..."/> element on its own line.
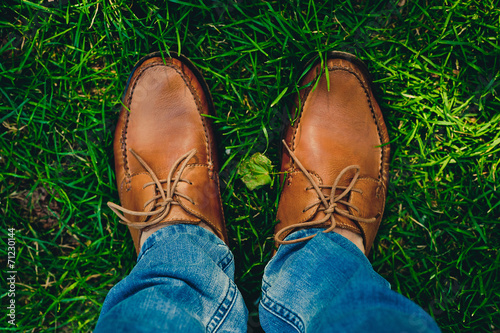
<point x="331" y="208"/>
<point x="329" y="203"/>
<point x="165" y="199"/>
<point x="166" y="202"/>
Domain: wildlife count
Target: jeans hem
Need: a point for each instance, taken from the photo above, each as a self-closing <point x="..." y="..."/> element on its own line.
<point x="223" y="310"/>
<point x="280" y="311"/>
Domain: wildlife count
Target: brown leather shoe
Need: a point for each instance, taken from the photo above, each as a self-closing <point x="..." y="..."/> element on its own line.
<point x="337" y="154"/>
<point x="165" y="155"/>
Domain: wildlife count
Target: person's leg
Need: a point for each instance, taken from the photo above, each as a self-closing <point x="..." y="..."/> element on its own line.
<point x="167" y="178"/>
<point x="183" y="282"/>
<point x="336" y="165"/>
<point x="328" y="285"/>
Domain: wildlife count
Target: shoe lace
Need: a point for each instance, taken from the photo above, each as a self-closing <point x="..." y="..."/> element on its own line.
<point x="165" y="198"/>
<point x="329" y="205"/>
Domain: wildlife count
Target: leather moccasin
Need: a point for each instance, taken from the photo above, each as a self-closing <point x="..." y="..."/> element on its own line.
<point x="165" y="154"/>
<point x="336" y="160"/>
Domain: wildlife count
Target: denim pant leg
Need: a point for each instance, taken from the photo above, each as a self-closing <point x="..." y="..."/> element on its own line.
<point x="183" y="282"/>
<point x="326" y="284"/>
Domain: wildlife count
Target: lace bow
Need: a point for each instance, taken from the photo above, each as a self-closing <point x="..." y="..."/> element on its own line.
<point x="329" y="205"/>
<point x="164" y="200"/>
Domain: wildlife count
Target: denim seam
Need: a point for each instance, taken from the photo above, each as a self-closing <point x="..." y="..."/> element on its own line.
<point x="292" y="318"/>
<point x="225" y="262"/>
<point x="222" y="311"/>
<point x="265" y="285"/>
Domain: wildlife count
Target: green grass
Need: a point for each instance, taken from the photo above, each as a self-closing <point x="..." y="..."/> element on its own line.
<point x="435" y="64"/>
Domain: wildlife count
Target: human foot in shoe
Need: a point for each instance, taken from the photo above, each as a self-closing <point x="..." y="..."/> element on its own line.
<point x="165" y="157"/>
<point x="336" y="160"/>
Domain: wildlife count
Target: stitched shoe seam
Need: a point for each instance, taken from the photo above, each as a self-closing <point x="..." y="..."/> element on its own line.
<point x="313" y="211"/>
<point x="224" y="231"/>
<point x="201" y="216"/>
<point x="125" y="129"/>
<point x="166" y="170"/>
<point x="372" y="110"/>
<point x="123" y="146"/>
<point x="366" y="91"/>
<point x="377" y="124"/>
<point x="306" y="95"/>
<point x="196" y="98"/>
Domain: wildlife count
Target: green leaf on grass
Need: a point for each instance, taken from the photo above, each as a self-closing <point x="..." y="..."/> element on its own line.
<point x="255" y="171"/>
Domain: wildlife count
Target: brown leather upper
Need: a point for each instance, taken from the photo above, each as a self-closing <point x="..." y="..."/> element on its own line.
<point x="161" y="120"/>
<point x="334" y="129"/>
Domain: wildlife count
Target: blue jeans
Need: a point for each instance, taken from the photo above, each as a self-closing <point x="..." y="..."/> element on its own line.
<point x="183" y="282"/>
